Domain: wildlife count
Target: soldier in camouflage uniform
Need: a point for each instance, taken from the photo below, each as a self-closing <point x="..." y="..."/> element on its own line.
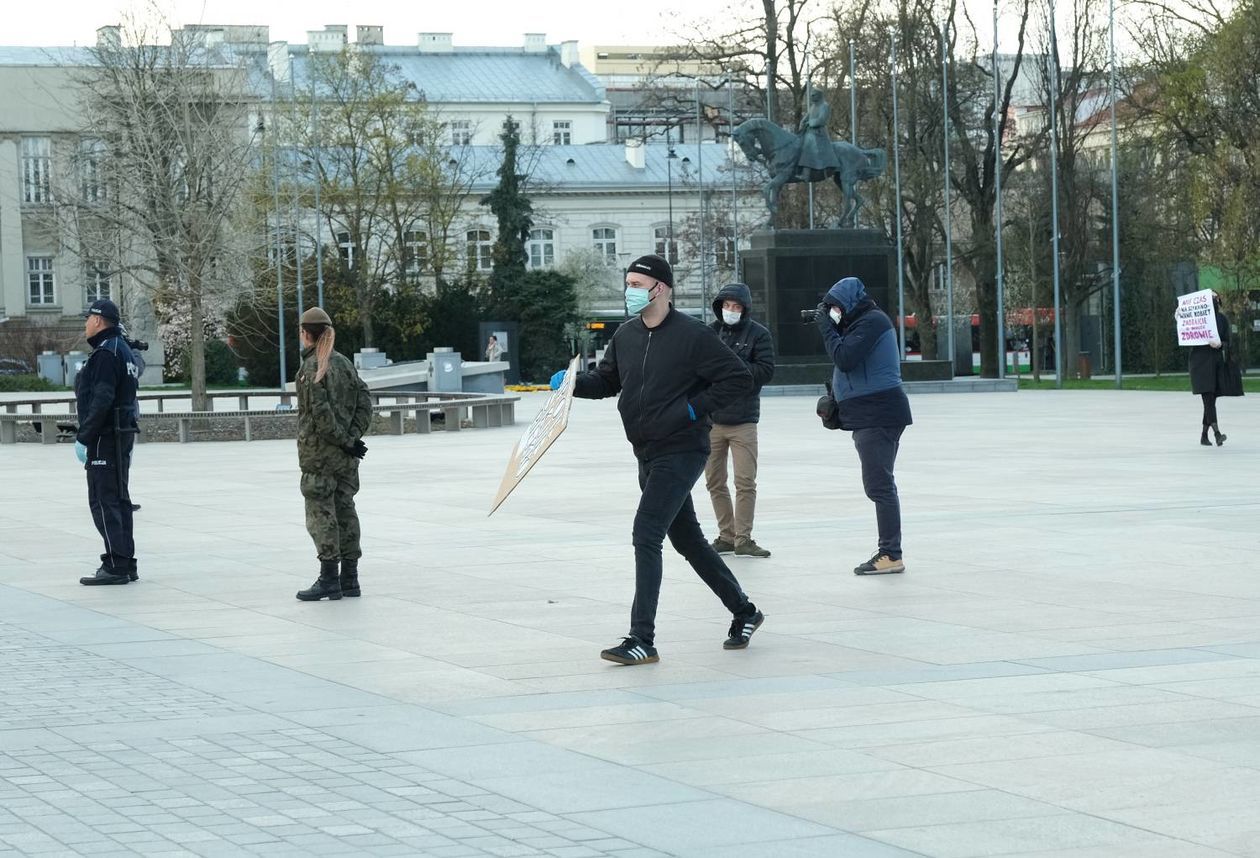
<point x="334" y="410"/>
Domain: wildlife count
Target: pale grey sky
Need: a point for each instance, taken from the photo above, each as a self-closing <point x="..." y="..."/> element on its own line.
<point x="474" y="22"/>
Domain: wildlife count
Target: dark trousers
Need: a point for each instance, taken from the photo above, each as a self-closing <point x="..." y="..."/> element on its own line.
<point x="109" y="499"/>
<point x="1209" y="409"/>
<point x="665" y="508"/>
<point x="877" y="450"/>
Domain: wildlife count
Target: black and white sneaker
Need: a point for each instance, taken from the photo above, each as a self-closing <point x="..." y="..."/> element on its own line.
<point x="631" y="651"/>
<point x="742" y="629"/>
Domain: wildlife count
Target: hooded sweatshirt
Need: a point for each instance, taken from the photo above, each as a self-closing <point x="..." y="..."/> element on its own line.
<point x="866" y="381"/>
<point x="752" y="344"/>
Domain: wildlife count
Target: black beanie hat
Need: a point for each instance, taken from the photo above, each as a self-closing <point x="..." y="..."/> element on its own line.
<point x="655" y="267"/>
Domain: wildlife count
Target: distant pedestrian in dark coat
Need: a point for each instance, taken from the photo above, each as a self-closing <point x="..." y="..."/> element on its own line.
<point x="1214" y="373"/>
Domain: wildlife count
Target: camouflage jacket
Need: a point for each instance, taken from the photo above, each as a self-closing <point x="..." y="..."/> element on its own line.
<point x="332" y="414"/>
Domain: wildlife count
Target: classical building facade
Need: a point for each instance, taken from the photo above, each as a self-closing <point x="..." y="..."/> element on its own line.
<point x="595" y="198"/>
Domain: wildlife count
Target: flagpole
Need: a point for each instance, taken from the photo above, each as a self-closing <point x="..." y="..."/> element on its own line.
<point x="1115" y="201"/>
<point x="997" y="191"/>
<point x="901" y="276"/>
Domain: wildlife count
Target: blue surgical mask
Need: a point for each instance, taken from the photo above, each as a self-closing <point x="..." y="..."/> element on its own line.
<point x="637" y="300"/>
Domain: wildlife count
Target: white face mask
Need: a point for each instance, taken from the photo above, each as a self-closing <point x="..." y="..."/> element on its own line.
<point x="836" y="315"/>
<point x="731" y="317"/>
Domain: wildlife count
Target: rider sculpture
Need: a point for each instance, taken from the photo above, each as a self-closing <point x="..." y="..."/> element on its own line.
<point x="817" y="161"/>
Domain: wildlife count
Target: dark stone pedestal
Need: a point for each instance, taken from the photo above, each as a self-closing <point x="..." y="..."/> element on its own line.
<point x="790" y="270"/>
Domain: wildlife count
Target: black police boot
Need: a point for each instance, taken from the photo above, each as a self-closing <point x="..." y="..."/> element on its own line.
<point x="350" y="578"/>
<point x="104" y="575"/>
<point x="327" y="586"/>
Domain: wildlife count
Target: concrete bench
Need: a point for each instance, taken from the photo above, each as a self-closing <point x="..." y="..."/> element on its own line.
<point x="485" y="411"/>
<point x="65" y="423"/>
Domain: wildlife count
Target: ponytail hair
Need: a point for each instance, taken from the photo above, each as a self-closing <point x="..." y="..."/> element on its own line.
<point x="324" y="337"/>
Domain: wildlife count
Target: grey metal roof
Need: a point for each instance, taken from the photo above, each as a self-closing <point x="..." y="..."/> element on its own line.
<point x="603" y="166"/>
<point x="483" y="75"/>
<point x="22" y="55"/>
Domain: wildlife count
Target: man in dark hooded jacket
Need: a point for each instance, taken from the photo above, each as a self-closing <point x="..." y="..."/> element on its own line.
<point x="735" y="426"/>
<point x="866" y="383"/>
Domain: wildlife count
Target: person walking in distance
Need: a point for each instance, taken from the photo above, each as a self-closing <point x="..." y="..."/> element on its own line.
<point x="105" y="399"/>
<point x="866" y="383"/>
<point x="1213" y="374"/>
<point x="334" y="411"/>
<point x="494" y="351"/>
<point x="671" y="373"/>
<point x="734" y="432"/>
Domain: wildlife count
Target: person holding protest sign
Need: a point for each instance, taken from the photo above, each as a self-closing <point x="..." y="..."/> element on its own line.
<point x="672" y="373"/>
<point x="1214" y="373"/>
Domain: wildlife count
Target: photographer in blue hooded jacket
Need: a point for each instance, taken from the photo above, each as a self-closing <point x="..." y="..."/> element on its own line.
<point x="670" y="373"/>
<point x="866" y="384"/>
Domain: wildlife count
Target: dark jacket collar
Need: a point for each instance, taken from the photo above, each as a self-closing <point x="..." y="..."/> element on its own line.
<point x="100" y="337"/>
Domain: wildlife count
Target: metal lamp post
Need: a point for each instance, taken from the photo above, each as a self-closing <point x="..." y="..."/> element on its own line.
<point x="1115" y="200"/>
<point x="896" y="137"/>
<point x="997" y="201"/>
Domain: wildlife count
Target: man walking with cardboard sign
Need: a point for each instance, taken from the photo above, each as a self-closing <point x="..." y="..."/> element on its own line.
<point x="672" y="372"/>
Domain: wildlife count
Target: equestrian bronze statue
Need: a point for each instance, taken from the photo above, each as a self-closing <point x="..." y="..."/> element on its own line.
<point x="809" y="156"/>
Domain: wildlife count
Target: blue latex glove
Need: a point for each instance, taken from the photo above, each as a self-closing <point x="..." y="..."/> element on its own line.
<point x="691" y="412"/>
<point x="80" y="452"/>
<point x="557" y="380"/>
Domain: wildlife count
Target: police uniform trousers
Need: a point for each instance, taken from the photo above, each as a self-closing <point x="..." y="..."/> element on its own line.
<point x="331" y="519"/>
<point x="109" y="499"/>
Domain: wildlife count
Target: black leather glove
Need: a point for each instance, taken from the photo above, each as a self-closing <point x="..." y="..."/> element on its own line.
<point x="823" y="319"/>
<point x="358" y="449"/>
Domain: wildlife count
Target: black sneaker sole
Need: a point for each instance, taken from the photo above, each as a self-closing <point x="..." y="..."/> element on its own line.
<point x="619" y="659"/>
<point x="726" y="644"/>
<point x="332" y="597"/>
<point x="100" y="582"/>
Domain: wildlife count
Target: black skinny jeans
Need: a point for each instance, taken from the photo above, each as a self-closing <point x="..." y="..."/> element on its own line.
<point x="665" y="508"/>
<point x="1209" y="409"/>
<point x="877" y="449"/>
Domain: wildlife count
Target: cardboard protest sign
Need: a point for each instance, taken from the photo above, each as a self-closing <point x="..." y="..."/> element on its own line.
<point x="1196" y="319"/>
<point x="541" y="434"/>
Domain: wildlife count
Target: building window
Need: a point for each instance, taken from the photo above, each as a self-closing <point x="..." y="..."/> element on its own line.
<point x="480" y="250"/>
<point x="91" y="162"/>
<point x="461" y="132"/>
<point x="542" y="248"/>
<point x="666" y="245"/>
<point x="562" y="132"/>
<point x="98" y="287"/>
<point x="604" y="239"/>
<point x="36" y="169"/>
<point x="415" y="253"/>
<point x="39" y="280"/>
<point x="345" y="248"/>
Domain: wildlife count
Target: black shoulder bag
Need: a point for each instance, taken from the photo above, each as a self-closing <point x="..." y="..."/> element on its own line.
<point x="828" y="409"/>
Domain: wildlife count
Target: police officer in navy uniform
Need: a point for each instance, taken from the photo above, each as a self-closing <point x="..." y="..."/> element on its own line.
<point x="105" y="394"/>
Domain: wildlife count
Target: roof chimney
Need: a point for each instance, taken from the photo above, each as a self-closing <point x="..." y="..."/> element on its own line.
<point x="109" y="37"/>
<point x="535" y="43"/>
<point x="636" y="153"/>
<point x="329" y="40"/>
<point x="569" y="54"/>
<point x="436" y="43"/>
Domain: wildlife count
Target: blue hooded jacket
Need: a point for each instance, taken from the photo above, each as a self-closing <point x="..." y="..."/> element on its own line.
<point x="866" y="381"/>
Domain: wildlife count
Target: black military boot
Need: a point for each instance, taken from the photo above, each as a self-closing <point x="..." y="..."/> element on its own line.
<point x="1220" y="436"/>
<point x="327" y="586"/>
<point x="350" y="578"/>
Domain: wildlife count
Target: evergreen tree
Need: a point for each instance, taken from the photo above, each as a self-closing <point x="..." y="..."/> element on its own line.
<point x="514" y="213"/>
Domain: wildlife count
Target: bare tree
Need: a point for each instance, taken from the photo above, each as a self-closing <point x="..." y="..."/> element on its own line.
<point x="166" y="148"/>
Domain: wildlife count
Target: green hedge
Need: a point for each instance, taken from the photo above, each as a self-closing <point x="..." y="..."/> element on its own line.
<point x="27" y="383"/>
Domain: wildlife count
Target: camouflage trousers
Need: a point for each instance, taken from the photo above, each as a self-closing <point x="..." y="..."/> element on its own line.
<point x="331" y="519"/>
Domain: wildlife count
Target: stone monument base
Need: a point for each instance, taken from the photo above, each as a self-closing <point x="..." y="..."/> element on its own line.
<point x="790" y="270"/>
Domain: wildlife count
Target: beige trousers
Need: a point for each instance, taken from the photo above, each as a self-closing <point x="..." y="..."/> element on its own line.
<point x="740" y="441"/>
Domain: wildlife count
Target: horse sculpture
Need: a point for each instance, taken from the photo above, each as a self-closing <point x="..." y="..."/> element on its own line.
<point x="764" y="141"/>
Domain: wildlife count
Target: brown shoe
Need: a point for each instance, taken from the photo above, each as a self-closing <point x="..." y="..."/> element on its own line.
<point x="722" y="546"/>
<point x="880" y="564"/>
<point x="748" y="548"/>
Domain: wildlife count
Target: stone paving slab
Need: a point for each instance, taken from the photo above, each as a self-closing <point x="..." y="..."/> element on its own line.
<point x="1071" y="666"/>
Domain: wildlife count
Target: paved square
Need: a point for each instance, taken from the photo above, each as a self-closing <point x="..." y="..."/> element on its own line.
<point x="1070" y="667"/>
